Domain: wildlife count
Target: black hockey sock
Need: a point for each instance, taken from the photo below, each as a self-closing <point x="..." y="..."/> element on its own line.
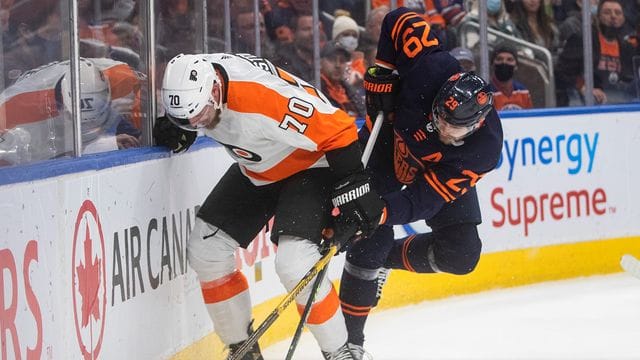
<point x="412" y="254"/>
<point x="357" y="297"/>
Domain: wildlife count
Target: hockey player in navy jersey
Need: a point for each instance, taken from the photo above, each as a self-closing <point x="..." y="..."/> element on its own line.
<point x="440" y="135"/>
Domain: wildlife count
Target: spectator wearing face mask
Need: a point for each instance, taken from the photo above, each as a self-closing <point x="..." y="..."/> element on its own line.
<point x="612" y="61"/>
<point x="508" y="93"/>
<point x="499" y="19"/>
<point x="346" y="33"/>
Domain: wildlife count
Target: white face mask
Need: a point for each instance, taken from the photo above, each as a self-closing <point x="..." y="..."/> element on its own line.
<point x="349" y="42"/>
<point x="493" y="6"/>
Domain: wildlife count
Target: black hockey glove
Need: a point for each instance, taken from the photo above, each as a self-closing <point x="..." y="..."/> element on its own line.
<point x="168" y="134"/>
<point x="360" y="210"/>
<point x="381" y="87"/>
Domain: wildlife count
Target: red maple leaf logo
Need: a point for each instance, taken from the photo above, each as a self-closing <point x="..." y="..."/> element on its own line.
<point x="89" y="282"/>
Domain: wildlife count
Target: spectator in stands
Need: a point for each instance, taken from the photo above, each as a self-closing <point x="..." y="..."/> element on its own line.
<point x="36" y="39"/>
<point x="630" y="9"/>
<point x="612" y="61"/>
<point x="572" y="24"/>
<point x="96" y="19"/>
<point x="465" y="58"/>
<point x="297" y="57"/>
<point x="508" y="93"/>
<point x="36" y="112"/>
<point x="176" y="26"/>
<point x="279" y="19"/>
<point x="244" y="35"/>
<point x="534" y="24"/>
<point x="352" y="8"/>
<point x="372" y="27"/>
<point x="558" y="10"/>
<point x="341" y="94"/>
<point x="452" y="11"/>
<point x="499" y="19"/>
<point x="345" y="32"/>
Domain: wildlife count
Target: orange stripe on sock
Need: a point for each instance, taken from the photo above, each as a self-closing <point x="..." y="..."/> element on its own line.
<point x="323" y="310"/>
<point x="405" y="249"/>
<point x="355" y="310"/>
<point x="224" y="288"/>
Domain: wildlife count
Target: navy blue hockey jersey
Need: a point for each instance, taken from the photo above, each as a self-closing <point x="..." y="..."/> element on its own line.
<point x="434" y="173"/>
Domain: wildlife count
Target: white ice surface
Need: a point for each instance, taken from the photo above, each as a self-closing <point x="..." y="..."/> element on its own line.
<point x="587" y="318"/>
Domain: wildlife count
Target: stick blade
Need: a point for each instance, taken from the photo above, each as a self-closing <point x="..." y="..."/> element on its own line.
<point x="631" y="265"/>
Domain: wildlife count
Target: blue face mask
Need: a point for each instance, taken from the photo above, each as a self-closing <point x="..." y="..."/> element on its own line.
<point x="493" y="6"/>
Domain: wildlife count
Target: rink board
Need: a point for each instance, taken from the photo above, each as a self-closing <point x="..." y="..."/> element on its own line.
<point x="93" y="260"/>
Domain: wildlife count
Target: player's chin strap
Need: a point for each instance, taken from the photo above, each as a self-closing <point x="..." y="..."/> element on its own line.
<point x="366" y="154"/>
<point x="318" y="270"/>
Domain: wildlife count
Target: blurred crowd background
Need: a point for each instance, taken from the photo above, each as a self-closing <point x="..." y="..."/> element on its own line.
<point x="532" y="51"/>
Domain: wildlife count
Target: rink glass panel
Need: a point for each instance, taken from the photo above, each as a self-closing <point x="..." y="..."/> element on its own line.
<point x="127" y="38"/>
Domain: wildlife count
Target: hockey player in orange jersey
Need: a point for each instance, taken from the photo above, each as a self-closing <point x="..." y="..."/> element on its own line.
<point x="35" y="111"/>
<point x="294" y="152"/>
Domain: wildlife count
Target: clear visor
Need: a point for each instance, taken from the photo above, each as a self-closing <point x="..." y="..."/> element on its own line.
<point x="193" y="123"/>
<point x="453" y="132"/>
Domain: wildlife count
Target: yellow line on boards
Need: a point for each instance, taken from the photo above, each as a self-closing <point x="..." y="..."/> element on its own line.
<point x="494" y="271"/>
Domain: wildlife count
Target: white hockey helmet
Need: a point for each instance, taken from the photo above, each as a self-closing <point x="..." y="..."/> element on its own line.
<point x="95" y="98"/>
<point x="187" y="88"/>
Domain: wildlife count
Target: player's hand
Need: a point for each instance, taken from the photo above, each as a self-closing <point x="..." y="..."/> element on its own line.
<point x="126" y="141"/>
<point x="168" y="134"/>
<point x="360" y="210"/>
<point x="381" y="88"/>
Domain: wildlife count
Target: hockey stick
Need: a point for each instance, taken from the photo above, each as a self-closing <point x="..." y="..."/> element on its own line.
<point x="305" y="313"/>
<point x="366" y="154"/>
<point x="273" y="316"/>
<point x="631" y="265"/>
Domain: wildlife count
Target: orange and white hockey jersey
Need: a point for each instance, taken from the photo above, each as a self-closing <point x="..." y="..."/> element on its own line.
<point x="273" y="123"/>
<point x="30" y="105"/>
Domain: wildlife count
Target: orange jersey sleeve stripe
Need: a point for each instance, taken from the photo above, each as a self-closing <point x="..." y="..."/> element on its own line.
<point x="397" y="26"/>
<point x="433" y="181"/>
<point x="27" y="108"/>
<point x="297" y="161"/>
<point x="328" y="131"/>
<point x="323" y="310"/>
<point x="405" y="249"/>
<point x="225" y="288"/>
